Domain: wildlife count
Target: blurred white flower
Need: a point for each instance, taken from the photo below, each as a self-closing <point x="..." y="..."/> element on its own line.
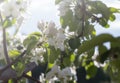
<point x="64" y="7"/>
<point x="51" y="30"/>
<point x="10" y="8"/>
<point x="65" y="75"/>
<point x="41" y="25"/>
<point x="42" y="78"/>
<point x="54" y="36"/>
<point x="14" y="8"/>
<point x="37" y="55"/>
<point x="54" y="71"/>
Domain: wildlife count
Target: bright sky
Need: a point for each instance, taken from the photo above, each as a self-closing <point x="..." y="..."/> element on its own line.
<point x="46" y="10"/>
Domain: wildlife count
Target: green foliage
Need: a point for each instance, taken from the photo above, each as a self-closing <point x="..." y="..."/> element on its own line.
<point x="13" y="53"/>
<point x="91" y="70"/>
<point x="31" y="41"/>
<point x="74" y="43"/>
<point x="80" y="48"/>
<point x="53" y="55"/>
<point x="8" y="22"/>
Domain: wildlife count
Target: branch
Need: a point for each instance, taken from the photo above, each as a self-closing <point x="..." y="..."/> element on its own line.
<point x="5" y="46"/>
<point x="83" y="7"/>
<point x="10" y="64"/>
<point x="29" y="77"/>
<point x="5" y="43"/>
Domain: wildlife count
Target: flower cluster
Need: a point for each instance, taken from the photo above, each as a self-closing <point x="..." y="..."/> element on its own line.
<point x="65" y="6"/>
<point x="14" y="9"/>
<point x="56" y="74"/>
<point x="55" y="36"/>
<point x="37" y="55"/>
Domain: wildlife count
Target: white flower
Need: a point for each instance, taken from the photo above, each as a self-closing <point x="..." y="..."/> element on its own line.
<point x="54" y="71"/>
<point x="10" y="8"/>
<point x="41" y="25"/>
<point x="67" y="74"/>
<point x="13" y="8"/>
<point x="37" y="55"/>
<point x="42" y="78"/>
<point x="50" y="31"/>
<point x="64" y="7"/>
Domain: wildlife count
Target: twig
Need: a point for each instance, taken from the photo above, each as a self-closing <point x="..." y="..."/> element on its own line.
<point x="29" y="77"/>
<point x="5" y="43"/>
<point x="9" y="65"/>
<point x="5" y="46"/>
<point x="83" y="7"/>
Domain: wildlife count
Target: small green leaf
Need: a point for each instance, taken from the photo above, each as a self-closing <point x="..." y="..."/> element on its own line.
<point x="13" y="53"/>
<point x="112" y="17"/>
<point x="54" y="53"/>
<point x="91" y="70"/>
<point x="72" y="57"/>
<point x="113" y="10"/>
<point x="30" y="42"/>
<point x="7" y="23"/>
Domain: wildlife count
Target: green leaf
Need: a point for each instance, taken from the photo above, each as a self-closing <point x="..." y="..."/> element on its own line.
<point x="91" y="70"/>
<point x="66" y="61"/>
<point x="112" y="17"/>
<point x="19" y="67"/>
<point x="36" y="34"/>
<point x="54" y="53"/>
<point x="115" y="43"/>
<point x="102" y="49"/>
<point x="72" y="58"/>
<point x="103" y="22"/>
<point x="13" y="53"/>
<point x="98" y="40"/>
<point x="114" y="10"/>
<point x="74" y="43"/>
<point x="103" y="54"/>
<point x="30" y="42"/>
<point x="7" y="23"/>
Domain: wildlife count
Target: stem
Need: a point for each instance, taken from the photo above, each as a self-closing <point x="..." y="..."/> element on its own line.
<point x="83" y="7"/>
<point x="4" y="42"/>
<point x="5" y="46"/>
<point x="29" y="77"/>
<point x="10" y="64"/>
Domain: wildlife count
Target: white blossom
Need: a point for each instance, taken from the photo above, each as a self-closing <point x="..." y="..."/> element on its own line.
<point x="50" y="31"/>
<point x="10" y="8"/>
<point x="54" y="36"/>
<point x="37" y="55"/>
<point x="42" y="78"/>
<point x="54" y="71"/>
<point x="65" y="74"/>
<point x="64" y="7"/>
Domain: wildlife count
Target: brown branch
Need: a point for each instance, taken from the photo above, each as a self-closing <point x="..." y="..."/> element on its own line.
<point x="29" y="77"/>
<point x="83" y="7"/>
<point x="5" y="42"/>
<point x="10" y="64"/>
<point x="5" y="46"/>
